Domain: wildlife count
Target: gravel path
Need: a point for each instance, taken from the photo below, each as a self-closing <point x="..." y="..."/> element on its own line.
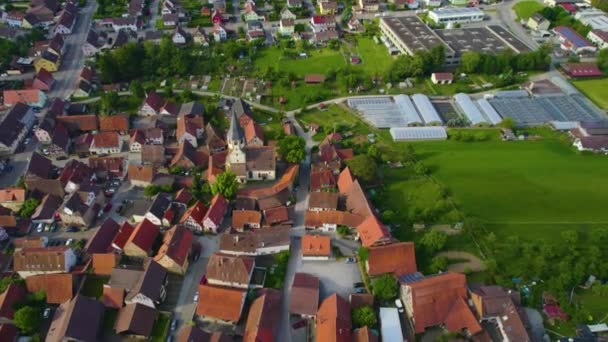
<point x="474" y="264"/>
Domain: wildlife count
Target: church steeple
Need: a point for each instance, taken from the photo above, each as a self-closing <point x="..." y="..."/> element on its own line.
<point x="235" y="135"/>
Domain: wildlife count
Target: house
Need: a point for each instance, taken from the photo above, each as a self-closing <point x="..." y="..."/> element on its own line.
<point x="193" y="217"/>
<point x="585" y="69"/>
<point x="190" y="128"/>
<point x="156" y="210"/>
<point x="503" y="307"/>
<point x="141" y="240"/>
<point x="372" y="232"/>
<point x="438" y="300"/>
<point x="316" y="247"/>
<point x="229" y="270"/>
<point x="570" y="40"/>
<point x="255" y="30"/>
<point x="328" y="7"/>
<point x="80" y="123"/>
<point x="304" y="295"/>
<point x="141" y="176"/>
<point x="153" y="155"/>
<point x="135" y="320"/>
<point x="94" y="43"/>
<point x="136" y="8"/>
<point x="276" y="216"/>
<point x="17" y="122"/>
<point x="48" y="61"/>
<point x="81" y="208"/>
<point x="538" y="23"/>
<point x="220" y="304"/>
<point x="115" y="123"/>
<point x="599" y="38"/>
<point x="12" y="198"/>
<point x="58" y="287"/>
<point x="251" y="12"/>
<point x="215" y="215"/>
<point x="30" y="97"/>
<point x="294" y="3"/>
<point x="321" y="201"/>
<point x="45" y="212"/>
<point x="287" y="22"/>
<point x="65" y="24"/>
<point x="246" y="219"/>
<point x="173" y="253"/>
<point x="145" y="285"/>
<point x="333" y="320"/>
<point x="368" y="6"/>
<point x="152" y="104"/>
<point x="122" y="23"/>
<point x="219" y="33"/>
<point x="213" y="140"/>
<point x="106" y="143"/>
<point x="103" y="263"/>
<point x="137" y="141"/>
<point x="33" y="261"/>
<point x="199" y="36"/>
<point x="43" y="81"/>
<point x="261" y="242"/>
<point x="264" y="312"/>
<point x="254" y="135"/>
<point x="189" y="157"/>
<point x="179" y="36"/>
<point x="170" y="20"/>
<point x="14" y="18"/>
<point x="101" y="242"/>
<point x="396" y="258"/>
<point x="322" y="180"/>
<point x="13" y="294"/>
<point x="78" y="319"/>
<point x="121" y="238"/>
<point x="61" y="143"/>
<point x="442" y="78"/>
<point x="112" y="298"/>
<point x="321" y="23"/>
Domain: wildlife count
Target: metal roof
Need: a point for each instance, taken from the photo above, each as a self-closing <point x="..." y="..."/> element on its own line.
<point x="427" y="110"/>
<point x="572" y="36"/>
<point x="418" y="133"/>
<point x="469" y="109"/>
<point x="489" y="111"/>
<point x="390" y="325"/>
<point x="407" y="108"/>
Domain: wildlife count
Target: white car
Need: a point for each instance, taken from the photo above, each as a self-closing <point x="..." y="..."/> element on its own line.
<point x="196" y="297"/>
<point x="399" y="305"/>
<point x="40" y="227"/>
<point x="47" y="313"/>
<point x="69" y="242"/>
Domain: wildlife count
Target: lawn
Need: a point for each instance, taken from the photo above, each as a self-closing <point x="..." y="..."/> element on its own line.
<point x="93" y="286"/>
<point x="318" y="61"/>
<point x="374" y="57"/>
<point x="271" y="123"/>
<point x="595" y="90"/>
<point x="526" y="9"/>
<point x="333" y="118"/>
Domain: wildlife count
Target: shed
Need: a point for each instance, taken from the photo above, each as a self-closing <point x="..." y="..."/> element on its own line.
<point x="390" y="325"/>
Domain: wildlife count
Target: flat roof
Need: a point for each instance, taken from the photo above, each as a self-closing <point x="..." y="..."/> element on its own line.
<point x="493" y="39"/>
<point x="457" y="11"/>
<point x="390" y="325"/>
<point x="413" y="32"/>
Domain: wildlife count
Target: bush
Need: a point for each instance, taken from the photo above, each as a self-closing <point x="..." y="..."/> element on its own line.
<point x="385" y="287"/>
<point x="364" y="317"/>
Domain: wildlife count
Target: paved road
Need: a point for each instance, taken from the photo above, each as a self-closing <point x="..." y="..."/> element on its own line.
<point x="507" y="18"/>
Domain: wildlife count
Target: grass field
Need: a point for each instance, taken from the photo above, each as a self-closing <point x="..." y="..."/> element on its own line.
<point x="595" y="90"/>
<point x="526" y="9"/>
<point x="318" y="61"/>
<point x="374" y="57"/>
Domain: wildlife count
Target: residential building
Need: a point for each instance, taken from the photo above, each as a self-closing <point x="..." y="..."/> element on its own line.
<point x="372" y="232"/>
<point x="141" y="240"/>
<point x="322" y="201"/>
<point x="396" y="258"/>
<point x="101" y="242"/>
<point x="106" y="143"/>
<point x="599" y="38"/>
<point x="220" y="304"/>
<point x="294" y="3"/>
<point x="65" y="24"/>
<point x="115" y="123"/>
<point x="329" y="220"/>
<point x="78" y="319"/>
<point x="17" y="122"/>
<point x="12" y="198"/>
<point x="304" y="295"/>
<point x="141" y="176"/>
<point x="174" y="252"/>
<point x="121" y="238"/>
<point x="81" y="207"/>
<point x="160" y="203"/>
<point x="135" y="320"/>
<point x="365" y="334"/>
<point x="369" y="6"/>
<point x="48" y="61"/>
<point x="199" y="36"/>
<point x="263" y="241"/>
<point x="328" y="7"/>
<point x="570" y="40"/>
<point x="152" y="104"/>
<point x="189" y="157"/>
<point x="287" y="22"/>
<point x="43" y="81"/>
<point x="231" y="271"/>
<point x="442" y="78"/>
<point x="30" y="97"/>
<point x="255" y="30"/>
<point x="316" y="247"/>
<point x="246" y="219"/>
<point x="146" y="286"/>
<point x="33" y="261"/>
<point x="321" y="23"/>
<point x="538" y="23"/>
<point x="251" y="13"/>
<point x="438" y="300"/>
<point x="322" y="180"/>
<point x="190" y="128"/>
<point x="179" y="36"/>
<point x="333" y="321"/>
<point x="13" y="294"/>
<point x="104" y="263"/>
<point x="58" y="287"/>
<point x="193" y="218"/>
<point x="264" y="313"/>
<point x="219" y="33"/>
<point x="45" y="212"/>
<point x="215" y="215"/>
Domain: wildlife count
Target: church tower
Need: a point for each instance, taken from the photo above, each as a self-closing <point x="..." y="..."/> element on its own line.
<point x="236" y="143"/>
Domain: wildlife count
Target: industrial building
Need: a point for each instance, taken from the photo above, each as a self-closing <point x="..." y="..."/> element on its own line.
<point x="418" y="133"/>
<point x="468" y="108"/>
<point x="456" y="15"/>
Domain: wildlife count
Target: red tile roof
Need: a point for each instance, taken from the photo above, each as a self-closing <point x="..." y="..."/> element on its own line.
<point x="144" y="234"/>
<point x="121" y="238"/>
<point x="13" y="294"/>
<point x="12" y="195"/>
<point x="197" y="212"/>
<point x="141" y="173"/>
<point x="460" y="317"/>
<point x="372" y="232"/>
<point x="154" y="100"/>
<point x="333" y="320"/>
<point x="217" y="209"/>
<point x="113" y="297"/>
<point x="242" y="217"/>
<point x="582" y="69"/>
<point x="443" y="76"/>
<point x="396" y="258"/>
<point x="276" y="215"/>
<point x="103" y="263"/>
<point x="345" y="180"/>
<point x="101" y="242"/>
<point x="364" y="334"/>
<point x="79" y="122"/>
<point x="322" y="180"/>
<point x="316" y="245"/>
<point x="176" y="245"/>
<point x="264" y="312"/>
<point x="253" y="130"/>
<point x="304" y="295"/>
<point x="116" y="123"/>
<point x="59" y="287"/>
<point x="106" y="139"/>
<point x="27" y="96"/>
<point x="220" y="302"/>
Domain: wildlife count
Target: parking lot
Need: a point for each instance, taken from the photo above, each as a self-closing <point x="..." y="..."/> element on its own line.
<point x="336" y="276"/>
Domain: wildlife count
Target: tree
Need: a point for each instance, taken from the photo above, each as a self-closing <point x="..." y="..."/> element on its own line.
<point x="292" y="148"/>
<point x="200" y="190"/>
<point x="6" y="281"/>
<point x="29" y="207"/>
<point x="600" y="4"/>
<point x="108" y="102"/>
<point x="363" y="167"/>
<point x="602" y="59"/>
<point x="438" y="263"/>
<point x="343" y="230"/>
<point x="225" y="184"/>
<point x="434" y="240"/>
<point x="28" y="319"/>
<point x="137" y="90"/>
<point x="508" y="123"/>
<point x="388" y="216"/>
<point x="385" y="287"/>
<point x="363" y="253"/>
<point x="373" y="152"/>
<point x="364" y="316"/>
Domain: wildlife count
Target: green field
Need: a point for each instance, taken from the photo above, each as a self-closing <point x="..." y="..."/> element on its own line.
<point x="526" y="9"/>
<point x="318" y="61"/>
<point x="374" y="57"/>
<point x="595" y="90"/>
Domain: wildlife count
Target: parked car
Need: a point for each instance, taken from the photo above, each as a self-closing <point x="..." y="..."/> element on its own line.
<point x="350" y="260"/>
<point x="360" y="290"/>
<point x="357" y="285"/>
<point x="72" y="229"/>
<point x="54" y="226"/>
<point x="196" y="297"/>
<point x="399" y="305"/>
<point x="40" y="227"/>
<point x="173" y="325"/>
<point x="69" y="242"/>
<point x="47" y="313"/>
<point x="299" y="324"/>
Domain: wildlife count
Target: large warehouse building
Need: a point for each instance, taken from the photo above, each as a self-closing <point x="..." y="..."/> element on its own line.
<point x="410" y="34"/>
<point x="460" y="15"/>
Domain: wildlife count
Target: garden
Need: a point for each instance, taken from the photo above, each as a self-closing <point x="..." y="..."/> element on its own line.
<point x="595" y="90"/>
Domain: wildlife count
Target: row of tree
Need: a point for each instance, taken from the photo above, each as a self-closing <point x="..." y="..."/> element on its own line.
<point x="420" y="64"/>
<point x="505" y="62"/>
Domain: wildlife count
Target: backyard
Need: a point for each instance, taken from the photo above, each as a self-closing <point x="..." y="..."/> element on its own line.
<point x="595" y="90"/>
<point x="525" y="9"/>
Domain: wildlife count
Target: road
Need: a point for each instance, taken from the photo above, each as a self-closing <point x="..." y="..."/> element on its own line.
<point x="506" y="17"/>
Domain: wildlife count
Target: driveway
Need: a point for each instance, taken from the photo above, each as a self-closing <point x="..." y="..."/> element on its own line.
<point x="336" y="276"/>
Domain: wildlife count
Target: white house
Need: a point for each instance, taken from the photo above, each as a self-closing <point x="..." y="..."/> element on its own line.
<point x="179" y="36"/>
<point x="599" y="38"/>
<point x="33" y="261"/>
<point x="106" y="143"/>
<point x="219" y="33"/>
